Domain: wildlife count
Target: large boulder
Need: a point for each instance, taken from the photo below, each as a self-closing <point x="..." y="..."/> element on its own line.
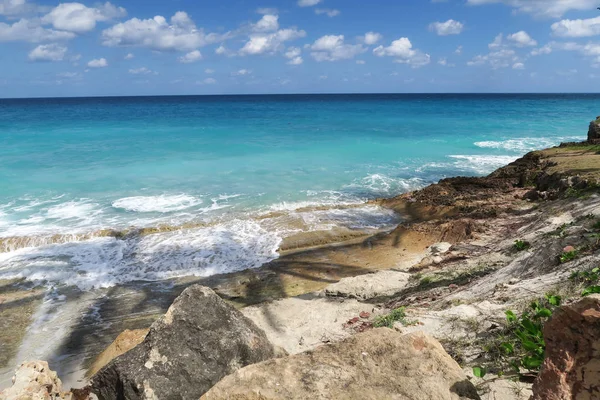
<point x="126" y="341"/>
<point x="378" y="364"/>
<point x="197" y="342"/>
<point x="34" y="380"/>
<point x="571" y="369"/>
<point x="594" y="132"/>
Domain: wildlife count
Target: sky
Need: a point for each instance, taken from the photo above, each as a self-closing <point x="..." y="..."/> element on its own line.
<point x="183" y="47"/>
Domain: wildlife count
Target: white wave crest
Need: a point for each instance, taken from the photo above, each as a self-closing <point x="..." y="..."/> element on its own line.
<point x="160" y="204"/>
<point x="526" y="144"/>
<point x="104" y="262"/>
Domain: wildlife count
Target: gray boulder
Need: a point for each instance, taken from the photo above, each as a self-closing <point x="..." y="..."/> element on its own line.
<point x="594" y="132"/>
<point x="200" y="340"/>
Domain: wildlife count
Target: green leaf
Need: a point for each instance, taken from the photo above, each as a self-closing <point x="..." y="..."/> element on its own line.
<point x="508" y="348"/>
<point x="510" y="316"/>
<point x="532" y="363"/>
<point x="529" y="345"/>
<point x="596" y="270"/>
<point x="554" y="300"/>
<point x="479" y="372"/>
<point x="544" y="313"/>
<point x="530" y="326"/>
<point x="591" y="290"/>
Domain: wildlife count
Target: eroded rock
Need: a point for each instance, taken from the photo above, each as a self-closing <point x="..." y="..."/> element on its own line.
<point x="377" y="364"/>
<point x="35" y="380"/>
<point x="572" y="366"/>
<point x="369" y="286"/>
<point x="197" y="342"/>
<point x="126" y="341"/>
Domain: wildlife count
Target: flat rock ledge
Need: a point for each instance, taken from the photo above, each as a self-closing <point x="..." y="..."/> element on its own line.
<point x="377" y="364"/>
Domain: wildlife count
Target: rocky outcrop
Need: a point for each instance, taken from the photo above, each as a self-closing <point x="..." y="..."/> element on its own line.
<point x="35" y="381"/>
<point x="594" y="132"/>
<point x="378" y="364"/>
<point x="369" y="286"/>
<point x="126" y="341"/>
<point x="197" y="342"/>
<point x="572" y="366"/>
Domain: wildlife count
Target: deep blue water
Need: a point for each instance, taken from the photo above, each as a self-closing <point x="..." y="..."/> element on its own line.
<point x="80" y="165"/>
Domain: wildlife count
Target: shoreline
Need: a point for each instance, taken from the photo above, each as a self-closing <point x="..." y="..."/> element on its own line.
<point x="455" y="210"/>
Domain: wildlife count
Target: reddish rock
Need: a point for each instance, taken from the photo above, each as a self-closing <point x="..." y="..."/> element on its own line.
<point x="569" y="249"/>
<point x="572" y="366"/>
<point x="365" y="315"/>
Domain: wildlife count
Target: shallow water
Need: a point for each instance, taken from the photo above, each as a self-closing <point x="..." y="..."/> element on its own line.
<point x="74" y="167"/>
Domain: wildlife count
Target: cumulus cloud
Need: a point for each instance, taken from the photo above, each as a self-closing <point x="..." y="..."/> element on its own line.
<point x="333" y="48"/>
<point x="328" y="11"/>
<point x="76" y="17"/>
<point x="271" y="42"/>
<point x="98" y="63"/>
<point x="521" y="39"/>
<point x="181" y="34"/>
<point x="48" y="52"/>
<point x="403" y="52"/>
<point x="542" y="8"/>
<point x="589" y="50"/>
<point x="308" y="3"/>
<point x="450" y="27"/>
<point x="16" y="8"/>
<point x="502" y="58"/>
<point x="371" y="38"/>
<point x="242" y="72"/>
<point x="576" y="27"/>
<point x="518" y="66"/>
<point x="209" y="71"/>
<point x="30" y="31"/>
<point x="140" y="71"/>
<point x="191" y="57"/>
<point x="268" y="23"/>
<point x="293" y="54"/>
<point x="129" y="56"/>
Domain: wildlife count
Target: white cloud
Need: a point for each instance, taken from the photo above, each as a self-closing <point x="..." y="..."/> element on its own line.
<point x="450" y="27"/>
<point x="308" y="3"/>
<point x="242" y="72"/>
<point x="458" y="50"/>
<point x="542" y="8"/>
<point x="371" y="38"/>
<point x="444" y="62"/>
<point x="48" y="52"/>
<point x="293" y="54"/>
<point x="328" y="11"/>
<point x="576" y="27"/>
<point x="190" y="57"/>
<point x="502" y="58"/>
<point x="518" y="66"/>
<point x="76" y="17"/>
<point x="209" y="71"/>
<point x="333" y="48"/>
<point x="498" y="42"/>
<point x="30" y="31"/>
<point x="521" y="39"/>
<point x="403" y="53"/>
<point x="98" y="63"/>
<point x="15" y="8"/>
<point x="129" y="56"/>
<point x="207" y="81"/>
<point x="140" y="71"/>
<point x="589" y="50"/>
<point x="268" y="23"/>
<point x="361" y="62"/>
<point x="270" y="43"/>
<point x="180" y="34"/>
<point x="267" y="10"/>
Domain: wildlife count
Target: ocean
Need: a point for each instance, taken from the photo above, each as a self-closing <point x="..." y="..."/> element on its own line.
<point x="97" y="192"/>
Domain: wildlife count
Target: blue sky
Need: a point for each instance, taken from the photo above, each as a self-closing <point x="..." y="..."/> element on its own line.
<point x="147" y="47"/>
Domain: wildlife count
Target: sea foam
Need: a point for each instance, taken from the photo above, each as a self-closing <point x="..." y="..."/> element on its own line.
<point x="160" y="204"/>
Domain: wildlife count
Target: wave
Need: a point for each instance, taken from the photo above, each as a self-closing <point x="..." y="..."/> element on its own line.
<point x="157" y="204"/>
<point x="383" y="185"/>
<point x="526" y="144"/>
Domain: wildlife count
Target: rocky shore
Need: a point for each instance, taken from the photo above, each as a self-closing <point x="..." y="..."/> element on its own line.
<point x="416" y="313"/>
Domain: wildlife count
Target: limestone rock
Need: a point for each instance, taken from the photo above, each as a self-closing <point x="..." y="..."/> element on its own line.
<point x="440" y="248"/>
<point x="377" y="364"/>
<point x="126" y="341"/>
<point x="35" y="380"/>
<point x="197" y="342"/>
<point x="594" y="132"/>
<point x="369" y="286"/>
<point x="572" y="366"/>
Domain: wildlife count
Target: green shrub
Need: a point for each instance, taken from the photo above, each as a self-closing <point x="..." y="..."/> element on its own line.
<point x="568" y="256"/>
<point x="521" y="245"/>
<point x="397" y="315"/>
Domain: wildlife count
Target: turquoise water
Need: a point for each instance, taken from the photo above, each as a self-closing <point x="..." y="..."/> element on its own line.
<point x="75" y="166"/>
